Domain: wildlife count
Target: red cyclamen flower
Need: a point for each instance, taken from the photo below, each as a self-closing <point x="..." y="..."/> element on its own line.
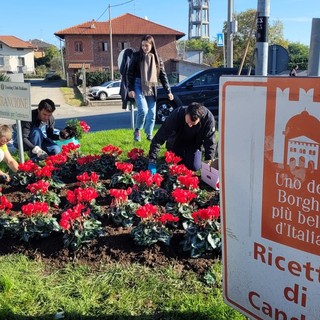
<point x="146" y="211"/>
<point x="36" y="208"/>
<point x="204" y="215"/>
<point x="170" y="157"/>
<point x="124" y="167"/>
<point x="190" y="182"/>
<point x="111" y="150"/>
<point x="183" y="196"/>
<point x="180" y="169"/>
<point x="40" y="186"/>
<point x="28" y="166"/>
<point x="5" y="204"/>
<point x="85" y="127"/>
<point x="135" y="153"/>
<point x="167" y="217"/>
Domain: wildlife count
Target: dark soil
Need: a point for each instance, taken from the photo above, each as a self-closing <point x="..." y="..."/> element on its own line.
<point x="116" y="246"/>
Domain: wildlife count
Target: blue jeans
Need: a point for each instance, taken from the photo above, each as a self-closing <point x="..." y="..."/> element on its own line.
<point x="36" y="137"/>
<point x="146" y="105"/>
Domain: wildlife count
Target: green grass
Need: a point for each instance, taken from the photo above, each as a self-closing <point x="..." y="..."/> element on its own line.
<point x="33" y="289"/>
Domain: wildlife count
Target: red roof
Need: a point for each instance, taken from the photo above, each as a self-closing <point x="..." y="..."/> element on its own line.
<point x="122" y="25"/>
<point x="15" y="42"/>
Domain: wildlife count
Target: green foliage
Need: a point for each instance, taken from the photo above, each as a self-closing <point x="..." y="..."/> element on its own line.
<point x="36" y="227"/>
<point x="199" y="239"/>
<point x="96" y="78"/>
<point x="298" y="55"/>
<point x="8" y="224"/>
<point x="147" y="233"/>
<point x="74" y="124"/>
<point x="123" y="214"/>
<point x="4" y="77"/>
<point x="41" y="70"/>
<point x="81" y="233"/>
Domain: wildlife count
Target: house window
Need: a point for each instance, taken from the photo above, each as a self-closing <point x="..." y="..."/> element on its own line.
<point x="1" y="47"/>
<point x="78" y="46"/>
<point x="21" y="61"/>
<point x="123" y="45"/>
<point x="1" y="61"/>
<point x="103" y="46"/>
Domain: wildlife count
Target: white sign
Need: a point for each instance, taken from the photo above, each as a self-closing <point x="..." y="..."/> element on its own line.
<point x="270" y="196"/>
<point x="15" y="101"/>
<point x="220" y="40"/>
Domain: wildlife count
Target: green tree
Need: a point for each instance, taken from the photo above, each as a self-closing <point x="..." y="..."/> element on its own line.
<point x="51" y="59"/>
<point x="298" y="55"/>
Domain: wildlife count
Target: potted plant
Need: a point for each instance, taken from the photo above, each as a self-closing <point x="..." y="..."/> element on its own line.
<point x="73" y="132"/>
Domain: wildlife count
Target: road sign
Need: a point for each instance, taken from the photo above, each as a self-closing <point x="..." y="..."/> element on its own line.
<point x="220" y="40"/>
<point x="270" y="195"/>
<point x="15" y="101"/>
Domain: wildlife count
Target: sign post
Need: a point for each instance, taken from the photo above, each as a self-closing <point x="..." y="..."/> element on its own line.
<point x="15" y="104"/>
<point x="220" y="43"/>
<point x="270" y="196"/>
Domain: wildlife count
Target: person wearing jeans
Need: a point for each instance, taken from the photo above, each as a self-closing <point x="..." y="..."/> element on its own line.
<point x="145" y="68"/>
<point x="38" y="134"/>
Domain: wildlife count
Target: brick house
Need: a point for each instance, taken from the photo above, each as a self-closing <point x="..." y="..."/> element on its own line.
<point x="88" y="43"/>
<point x="16" y="55"/>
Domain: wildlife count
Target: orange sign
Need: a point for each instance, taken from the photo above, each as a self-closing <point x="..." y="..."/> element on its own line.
<point x="291" y="179"/>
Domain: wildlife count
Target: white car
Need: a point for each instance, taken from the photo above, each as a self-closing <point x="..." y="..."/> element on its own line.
<point x="106" y="90"/>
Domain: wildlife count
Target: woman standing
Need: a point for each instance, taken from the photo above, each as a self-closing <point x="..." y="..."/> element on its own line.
<point x="145" y="69"/>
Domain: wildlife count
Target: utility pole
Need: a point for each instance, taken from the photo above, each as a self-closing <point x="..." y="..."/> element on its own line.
<point x="314" y="53"/>
<point x="263" y="11"/>
<point x="229" y="35"/>
<point x="111" y="47"/>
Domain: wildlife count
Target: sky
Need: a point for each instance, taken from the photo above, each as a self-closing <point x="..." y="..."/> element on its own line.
<point x="34" y="19"/>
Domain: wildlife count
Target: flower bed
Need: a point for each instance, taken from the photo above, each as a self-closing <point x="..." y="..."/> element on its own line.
<point x="78" y="201"/>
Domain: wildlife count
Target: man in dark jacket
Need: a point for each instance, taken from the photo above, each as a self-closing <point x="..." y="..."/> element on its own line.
<point x="38" y="135"/>
<point x="186" y="130"/>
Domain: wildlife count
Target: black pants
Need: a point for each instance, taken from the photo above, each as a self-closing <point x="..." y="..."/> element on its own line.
<point x="191" y="157"/>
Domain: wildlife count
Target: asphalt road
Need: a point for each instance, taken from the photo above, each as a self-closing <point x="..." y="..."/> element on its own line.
<point x="108" y="115"/>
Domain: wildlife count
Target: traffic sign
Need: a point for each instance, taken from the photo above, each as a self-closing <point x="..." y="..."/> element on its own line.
<point x="220" y="40"/>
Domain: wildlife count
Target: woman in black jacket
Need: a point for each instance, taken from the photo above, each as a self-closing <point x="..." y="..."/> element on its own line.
<point x="145" y="69"/>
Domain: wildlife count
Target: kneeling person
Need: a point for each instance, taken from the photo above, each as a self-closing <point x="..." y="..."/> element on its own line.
<point x="186" y="130"/>
<point x="38" y="135"/>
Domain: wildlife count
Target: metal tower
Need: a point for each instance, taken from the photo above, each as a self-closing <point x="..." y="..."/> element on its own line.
<point x="199" y="19"/>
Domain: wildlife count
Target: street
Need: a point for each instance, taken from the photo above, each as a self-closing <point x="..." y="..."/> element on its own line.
<point x="107" y="115"/>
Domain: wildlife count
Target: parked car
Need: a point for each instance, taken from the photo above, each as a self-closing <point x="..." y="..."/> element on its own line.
<point x="202" y="87"/>
<point x="106" y="90"/>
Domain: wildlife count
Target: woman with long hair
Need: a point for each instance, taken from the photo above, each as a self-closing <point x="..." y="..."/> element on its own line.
<point x="146" y="67"/>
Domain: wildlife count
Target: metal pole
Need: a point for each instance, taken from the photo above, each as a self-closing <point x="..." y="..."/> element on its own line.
<point x="20" y="141"/>
<point x="111" y="47"/>
<point x="314" y="53"/>
<point x="229" y="35"/>
<point x="262" y="37"/>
